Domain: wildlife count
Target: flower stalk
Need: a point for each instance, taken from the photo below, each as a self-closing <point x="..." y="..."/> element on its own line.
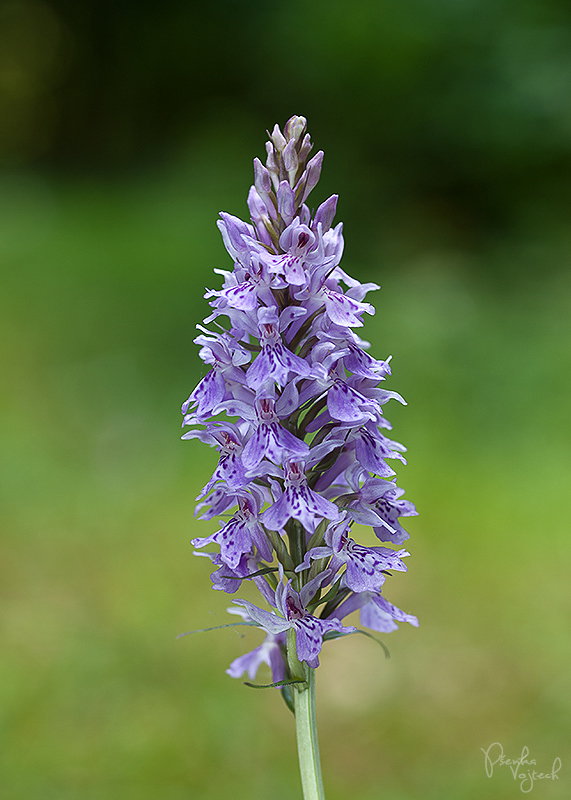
<point x="303" y="698"/>
<point x="306" y="736"/>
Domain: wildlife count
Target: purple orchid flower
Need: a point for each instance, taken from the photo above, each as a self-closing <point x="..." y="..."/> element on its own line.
<point x="302" y="248"/>
<point x="226" y="360"/>
<point x="298" y="501"/>
<point x="365" y="565"/>
<point x="309" y="629"/>
<point x="240" y="535"/>
<point x="228" y="438"/>
<point x="295" y="406"/>
<point x="271" y="440"/>
<point x="275" y="363"/>
<point x="378" y="504"/>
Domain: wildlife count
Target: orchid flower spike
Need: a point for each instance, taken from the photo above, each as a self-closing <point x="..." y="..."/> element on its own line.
<point x="294" y="404"/>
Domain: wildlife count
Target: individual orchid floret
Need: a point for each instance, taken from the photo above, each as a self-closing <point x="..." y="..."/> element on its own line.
<point x="236" y="235"/>
<point x="229" y="440"/>
<point x="275" y="363"/>
<point x="342" y="310"/>
<point x="271" y="440"/>
<point x="346" y="404"/>
<point x="286" y="202"/>
<point x="240" y="535"/>
<point x="372" y="448"/>
<point x="377" y="503"/>
<point x="309" y="178"/>
<point x="302" y="249"/>
<point x="309" y="629"/>
<point x="261" y="219"/>
<point x="225" y="357"/>
<point x="244" y="288"/>
<point x="365" y="565"/>
<point x="263" y="186"/>
<point x="361" y="364"/>
<point x="298" y="501"/>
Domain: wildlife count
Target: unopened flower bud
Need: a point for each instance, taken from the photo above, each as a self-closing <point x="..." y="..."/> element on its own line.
<point x="262" y="179"/>
<point x="291" y="161"/>
<point x="259" y="216"/>
<point x="294" y="128"/>
<point x="286" y="202"/>
<point x="305" y="149"/>
<point x="278" y="138"/>
<point x="272" y="164"/>
<point x="326" y="212"/>
<point x="309" y="178"/>
<point x="312" y="172"/>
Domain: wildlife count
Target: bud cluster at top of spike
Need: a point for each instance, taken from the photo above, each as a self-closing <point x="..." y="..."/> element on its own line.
<point x="293" y="403"/>
<point x="283" y="185"/>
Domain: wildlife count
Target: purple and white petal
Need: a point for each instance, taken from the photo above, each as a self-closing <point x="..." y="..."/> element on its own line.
<point x="264" y="619"/>
<point x="380" y="615"/>
<point x="244" y="296"/>
<point x="270" y="652"/>
<point x="342" y="310"/>
<point x="347" y="405"/>
<point x="365" y="566"/>
<point x="207" y="395"/>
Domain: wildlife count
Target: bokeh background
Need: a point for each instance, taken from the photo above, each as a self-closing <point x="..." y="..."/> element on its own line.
<point x="124" y="129"/>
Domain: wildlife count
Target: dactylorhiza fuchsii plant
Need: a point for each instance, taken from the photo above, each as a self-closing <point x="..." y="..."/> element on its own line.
<point x="293" y="402"/>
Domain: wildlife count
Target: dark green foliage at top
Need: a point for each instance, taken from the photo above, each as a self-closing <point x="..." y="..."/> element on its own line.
<point x="453" y="114"/>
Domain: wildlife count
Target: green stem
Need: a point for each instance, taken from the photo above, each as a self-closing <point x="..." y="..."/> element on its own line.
<point x="306" y="733"/>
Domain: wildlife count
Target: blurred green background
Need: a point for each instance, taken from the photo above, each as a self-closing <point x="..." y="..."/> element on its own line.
<point x="124" y="129"/>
